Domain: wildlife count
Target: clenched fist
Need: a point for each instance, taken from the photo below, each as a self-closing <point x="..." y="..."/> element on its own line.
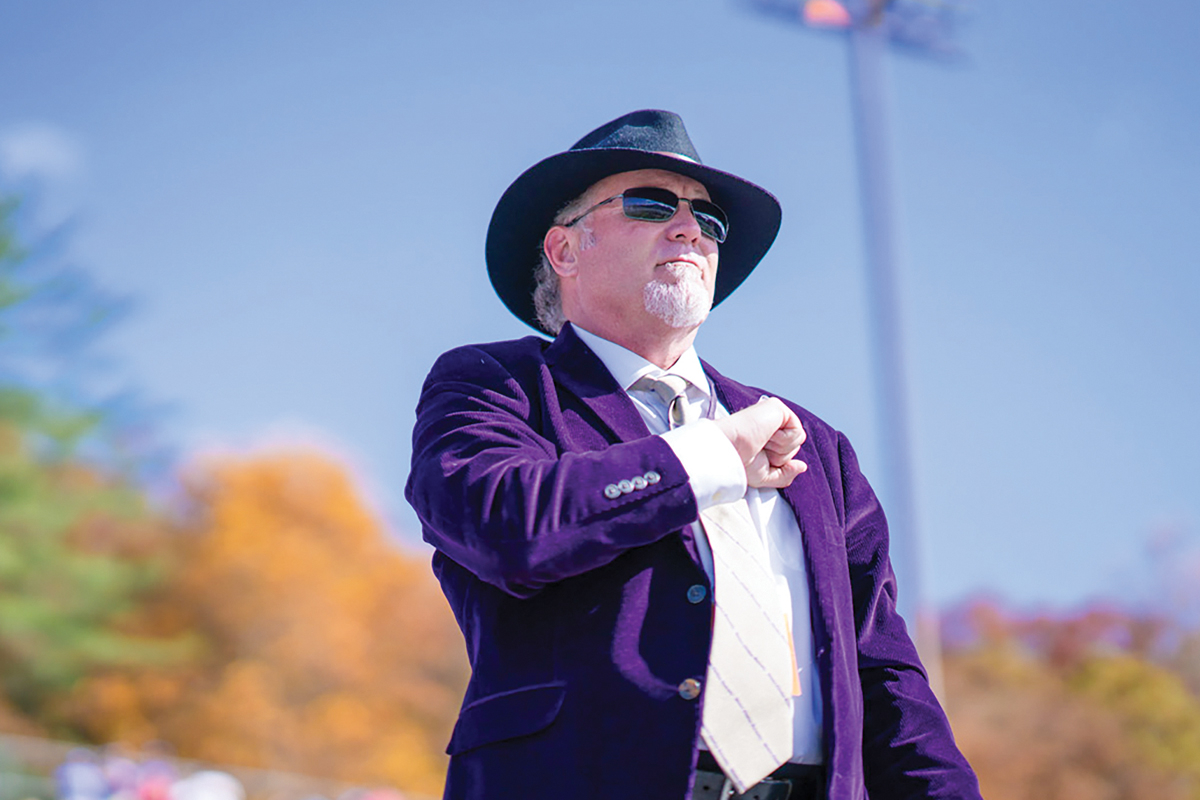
<point x="767" y="435"/>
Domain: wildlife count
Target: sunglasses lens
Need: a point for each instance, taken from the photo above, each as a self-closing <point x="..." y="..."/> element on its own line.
<point x="711" y="220"/>
<point x="652" y="204"/>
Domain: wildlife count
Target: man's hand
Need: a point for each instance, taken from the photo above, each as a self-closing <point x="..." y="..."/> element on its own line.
<point x="767" y="435"/>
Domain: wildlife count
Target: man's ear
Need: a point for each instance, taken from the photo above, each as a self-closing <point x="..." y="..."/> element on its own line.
<point x="562" y="250"/>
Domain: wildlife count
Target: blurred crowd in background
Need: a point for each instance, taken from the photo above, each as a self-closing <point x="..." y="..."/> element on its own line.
<point x="114" y="773"/>
<point x="108" y="775"/>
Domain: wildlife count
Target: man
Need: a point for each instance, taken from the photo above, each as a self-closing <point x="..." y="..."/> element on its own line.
<point x="670" y="585"/>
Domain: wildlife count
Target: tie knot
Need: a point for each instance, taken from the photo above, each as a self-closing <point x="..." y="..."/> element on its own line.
<point x="666" y="386"/>
<point x="672" y="390"/>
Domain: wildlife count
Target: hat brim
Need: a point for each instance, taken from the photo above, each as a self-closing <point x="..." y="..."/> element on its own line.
<point x="527" y="210"/>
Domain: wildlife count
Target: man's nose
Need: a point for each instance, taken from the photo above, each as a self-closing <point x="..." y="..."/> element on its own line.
<point x="683" y="224"/>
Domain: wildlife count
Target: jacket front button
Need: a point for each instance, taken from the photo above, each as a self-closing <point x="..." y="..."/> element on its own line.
<point x="696" y="593"/>
<point x="689" y="689"/>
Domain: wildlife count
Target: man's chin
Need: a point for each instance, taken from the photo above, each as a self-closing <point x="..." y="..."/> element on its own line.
<point x="682" y="304"/>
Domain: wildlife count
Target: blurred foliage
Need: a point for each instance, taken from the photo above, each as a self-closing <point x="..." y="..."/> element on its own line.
<point x="76" y="552"/>
<point x="276" y="626"/>
<point x="329" y="652"/>
<point x="1082" y="706"/>
<point x="268" y="620"/>
<point x="77" y="557"/>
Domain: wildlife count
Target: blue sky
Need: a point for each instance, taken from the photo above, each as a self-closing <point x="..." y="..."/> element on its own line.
<point x="296" y="196"/>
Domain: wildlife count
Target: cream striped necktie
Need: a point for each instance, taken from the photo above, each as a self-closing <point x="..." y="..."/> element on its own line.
<point x="747" y="722"/>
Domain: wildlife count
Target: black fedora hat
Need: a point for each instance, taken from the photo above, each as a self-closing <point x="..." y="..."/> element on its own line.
<point x="640" y="140"/>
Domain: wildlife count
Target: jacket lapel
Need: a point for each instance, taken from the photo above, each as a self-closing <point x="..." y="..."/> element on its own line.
<point x="581" y="372"/>
<point x="732" y="394"/>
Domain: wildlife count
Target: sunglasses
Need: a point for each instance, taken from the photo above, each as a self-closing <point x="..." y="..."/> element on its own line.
<point x="651" y="204"/>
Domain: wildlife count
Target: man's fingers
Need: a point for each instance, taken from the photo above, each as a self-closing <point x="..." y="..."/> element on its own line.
<point x="779" y="459"/>
<point x="790" y="435"/>
<point x="761" y="474"/>
<point x="784" y="442"/>
<point x="782" y="477"/>
<point x="791" y="424"/>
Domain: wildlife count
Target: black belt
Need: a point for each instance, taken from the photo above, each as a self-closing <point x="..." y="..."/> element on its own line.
<point x="789" y="782"/>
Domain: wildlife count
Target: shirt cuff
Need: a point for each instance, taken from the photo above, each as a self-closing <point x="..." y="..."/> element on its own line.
<point x="714" y="468"/>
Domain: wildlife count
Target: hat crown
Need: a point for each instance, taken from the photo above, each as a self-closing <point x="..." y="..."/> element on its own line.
<point x="650" y="130"/>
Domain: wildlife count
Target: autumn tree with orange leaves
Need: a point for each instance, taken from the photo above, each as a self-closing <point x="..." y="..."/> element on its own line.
<point x="1074" y="706"/>
<point x="328" y="651"/>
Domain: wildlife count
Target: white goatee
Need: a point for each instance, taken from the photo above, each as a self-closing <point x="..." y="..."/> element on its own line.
<point x="681" y="303"/>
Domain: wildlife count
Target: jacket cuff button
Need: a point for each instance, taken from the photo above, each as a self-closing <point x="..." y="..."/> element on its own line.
<point x="612" y="492"/>
<point x="652" y="477"/>
<point x="625" y="487"/>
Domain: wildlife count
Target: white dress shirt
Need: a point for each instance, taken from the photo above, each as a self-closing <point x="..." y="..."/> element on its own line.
<point x="716" y="475"/>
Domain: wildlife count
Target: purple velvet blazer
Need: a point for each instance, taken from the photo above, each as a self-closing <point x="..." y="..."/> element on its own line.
<point x="574" y="604"/>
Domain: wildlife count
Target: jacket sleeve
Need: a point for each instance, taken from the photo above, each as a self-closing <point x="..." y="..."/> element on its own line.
<point x="908" y="748"/>
<point x="502" y="499"/>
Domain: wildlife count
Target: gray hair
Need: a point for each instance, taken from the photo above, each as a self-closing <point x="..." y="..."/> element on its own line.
<point x="547" y="296"/>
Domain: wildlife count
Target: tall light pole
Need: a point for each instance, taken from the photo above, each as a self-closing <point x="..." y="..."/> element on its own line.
<point x="870" y="26"/>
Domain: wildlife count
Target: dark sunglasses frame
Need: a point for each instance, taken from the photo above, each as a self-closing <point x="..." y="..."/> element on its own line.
<point x="653" y="204"/>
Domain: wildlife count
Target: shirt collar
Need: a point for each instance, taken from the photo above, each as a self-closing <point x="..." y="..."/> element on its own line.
<point x="627" y="367"/>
